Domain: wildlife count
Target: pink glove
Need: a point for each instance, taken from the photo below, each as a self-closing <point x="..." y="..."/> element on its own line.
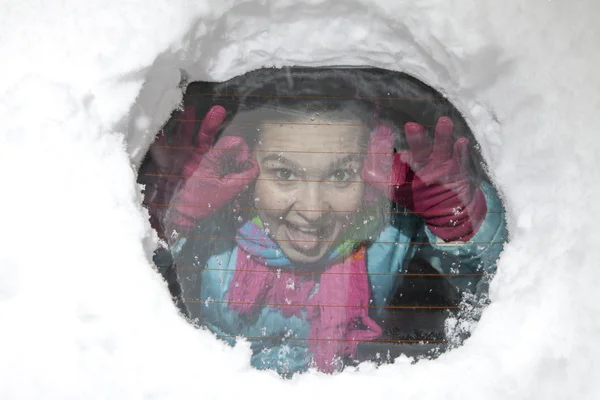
<point x="170" y="155"/>
<point x="209" y="184"/>
<point x="437" y="186"/>
<point x="383" y="169"/>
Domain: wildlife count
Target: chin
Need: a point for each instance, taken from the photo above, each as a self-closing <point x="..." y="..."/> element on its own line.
<point x="297" y="256"/>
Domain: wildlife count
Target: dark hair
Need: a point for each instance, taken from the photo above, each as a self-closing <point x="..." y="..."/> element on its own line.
<point x="273" y="96"/>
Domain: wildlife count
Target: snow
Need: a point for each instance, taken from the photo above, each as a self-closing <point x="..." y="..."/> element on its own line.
<point x="83" y="85"/>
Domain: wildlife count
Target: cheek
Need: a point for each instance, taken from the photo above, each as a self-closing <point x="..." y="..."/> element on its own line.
<point x="272" y="200"/>
<point x="350" y="198"/>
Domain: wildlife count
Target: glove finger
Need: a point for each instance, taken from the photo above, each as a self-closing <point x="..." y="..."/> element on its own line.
<point x="461" y="153"/>
<point x="238" y="180"/>
<point x="379" y="158"/>
<point x="399" y="170"/>
<point x="242" y="153"/>
<point x="186" y="127"/>
<point x="406" y="157"/>
<point x="225" y="156"/>
<point x="210" y="126"/>
<point x="442" y="145"/>
<point x="228" y="145"/>
<point x="243" y="157"/>
<point x="418" y="143"/>
<point x="382" y="140"/>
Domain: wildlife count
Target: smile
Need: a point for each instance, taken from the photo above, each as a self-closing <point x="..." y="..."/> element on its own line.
<point x="311" y="231"/>
<point x="307" y="239"/>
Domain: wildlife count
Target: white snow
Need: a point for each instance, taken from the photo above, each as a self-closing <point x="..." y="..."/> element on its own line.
<point x="83" y="86"/>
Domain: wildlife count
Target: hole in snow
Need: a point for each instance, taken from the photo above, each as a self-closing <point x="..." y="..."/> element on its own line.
<point x="329" y="215"/>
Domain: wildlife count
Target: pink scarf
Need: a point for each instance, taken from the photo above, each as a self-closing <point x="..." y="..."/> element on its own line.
<point x="337" y="312"/>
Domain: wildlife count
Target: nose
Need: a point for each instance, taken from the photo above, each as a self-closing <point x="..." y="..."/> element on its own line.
<point x="311" y="205"/>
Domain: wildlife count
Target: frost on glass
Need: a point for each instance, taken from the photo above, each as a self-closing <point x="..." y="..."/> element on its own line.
<point x="328" y="215"/>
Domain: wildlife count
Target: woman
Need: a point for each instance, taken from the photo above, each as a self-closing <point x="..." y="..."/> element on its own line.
<point x="295" y="226"/>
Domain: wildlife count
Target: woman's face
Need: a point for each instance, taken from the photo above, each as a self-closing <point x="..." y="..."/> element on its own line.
<point x="309" y="187"/>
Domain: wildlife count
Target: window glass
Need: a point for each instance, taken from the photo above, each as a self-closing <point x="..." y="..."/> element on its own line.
<point x="328" y="215"/>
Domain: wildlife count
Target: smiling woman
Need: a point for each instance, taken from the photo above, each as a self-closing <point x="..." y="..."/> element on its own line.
<point x="316" y="211"/>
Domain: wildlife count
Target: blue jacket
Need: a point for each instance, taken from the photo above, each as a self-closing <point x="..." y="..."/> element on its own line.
<point x="388" y="255"/>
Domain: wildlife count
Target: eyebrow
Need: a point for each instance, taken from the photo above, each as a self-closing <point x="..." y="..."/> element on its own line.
<point x="348" y="158"/>
<point x="287" y="161"/>
<point x="278" y="158"/>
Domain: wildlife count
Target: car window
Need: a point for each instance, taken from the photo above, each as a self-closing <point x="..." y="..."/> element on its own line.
<point x="327" y="215"/>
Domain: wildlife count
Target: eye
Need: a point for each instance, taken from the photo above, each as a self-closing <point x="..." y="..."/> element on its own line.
<point x="284" y="174"/>
<point x="341" y="175"/>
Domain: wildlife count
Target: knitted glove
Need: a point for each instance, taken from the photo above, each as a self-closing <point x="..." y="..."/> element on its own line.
<point x="169" y="154"/>
<point x="211" y="181"/>
<point x="437" y="186"/>
<point x="383" y="169"/>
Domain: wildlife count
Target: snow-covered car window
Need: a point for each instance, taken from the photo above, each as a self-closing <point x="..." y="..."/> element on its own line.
<point x="328" y="215"/>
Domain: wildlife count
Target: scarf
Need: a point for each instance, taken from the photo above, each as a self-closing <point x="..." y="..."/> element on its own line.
<point x="336" y="300"/>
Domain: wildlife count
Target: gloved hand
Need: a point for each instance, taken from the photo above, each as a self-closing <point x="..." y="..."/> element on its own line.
<point x="383" y="169"/>
<point x="437" y="186"/>
<point x="170" y="152"/>
<point x="211" y="181"/>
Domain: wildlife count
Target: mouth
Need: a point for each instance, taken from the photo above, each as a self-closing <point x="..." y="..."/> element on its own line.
<point x="307" y="239"/>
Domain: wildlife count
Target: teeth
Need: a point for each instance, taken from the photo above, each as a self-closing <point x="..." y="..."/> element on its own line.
<point x="307" y="230"/>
